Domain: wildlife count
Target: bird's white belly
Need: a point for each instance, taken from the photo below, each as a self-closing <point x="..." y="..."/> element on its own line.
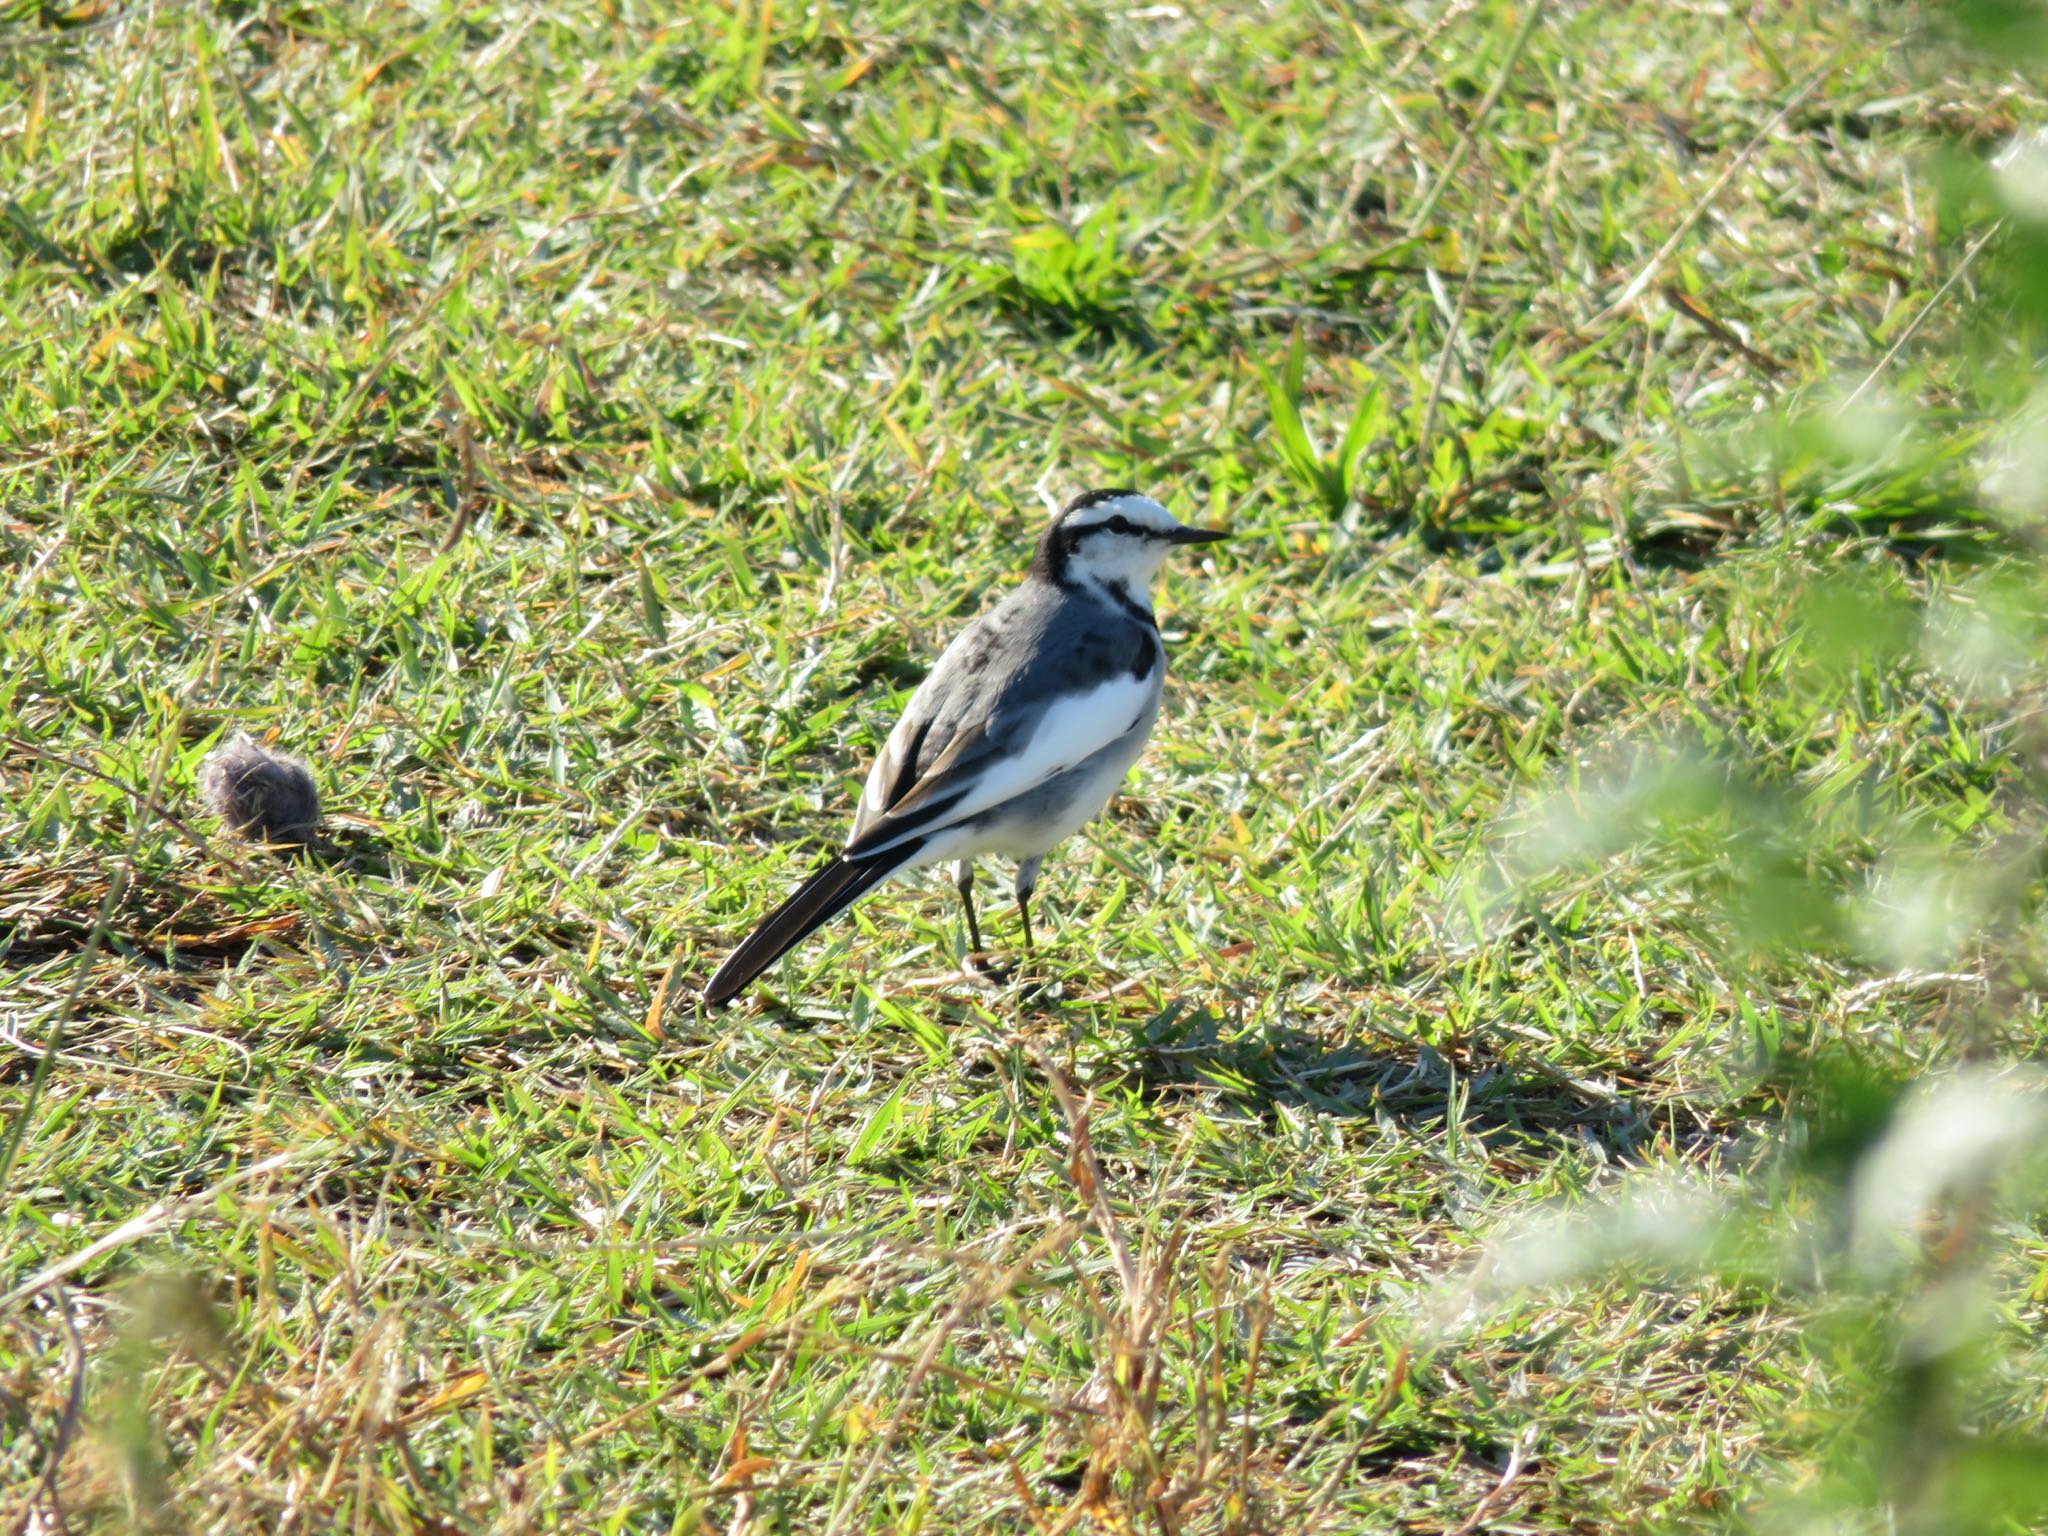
<point x="1034" y="822"/>
<point x="1083" y="798"/>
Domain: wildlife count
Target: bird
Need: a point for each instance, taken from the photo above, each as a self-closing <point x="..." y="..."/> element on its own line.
<point x="1017" y="737"/>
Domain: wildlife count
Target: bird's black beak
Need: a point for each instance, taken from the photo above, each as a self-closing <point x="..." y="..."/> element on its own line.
<point x="1197" y="535"/>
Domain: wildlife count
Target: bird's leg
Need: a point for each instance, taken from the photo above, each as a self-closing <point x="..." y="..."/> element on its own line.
<point x="1027" y="882"/>
<point x="963" y="877"/>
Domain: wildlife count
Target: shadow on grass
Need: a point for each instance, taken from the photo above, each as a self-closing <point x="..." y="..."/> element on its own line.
<point x="1413" y="1084"/>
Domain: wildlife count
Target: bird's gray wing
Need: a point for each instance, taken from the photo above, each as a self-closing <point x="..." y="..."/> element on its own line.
<point x="1002" y="712"/>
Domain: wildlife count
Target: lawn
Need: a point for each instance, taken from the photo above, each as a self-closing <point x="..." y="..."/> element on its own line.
<point x="1546" y="1041"/>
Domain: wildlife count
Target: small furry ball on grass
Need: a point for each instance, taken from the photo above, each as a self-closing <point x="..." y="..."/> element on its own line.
<point x="261" y="795"/>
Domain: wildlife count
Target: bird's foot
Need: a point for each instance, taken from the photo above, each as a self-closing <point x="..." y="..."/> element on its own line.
<point x="983" y="966"/>
<point x="1030" y="983"/>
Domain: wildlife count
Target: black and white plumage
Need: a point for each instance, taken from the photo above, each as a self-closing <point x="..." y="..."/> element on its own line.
<point x="1019" y="735"/>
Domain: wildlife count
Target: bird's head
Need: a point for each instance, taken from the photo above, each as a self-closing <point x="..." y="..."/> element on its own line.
<point x="1115" y="536"/>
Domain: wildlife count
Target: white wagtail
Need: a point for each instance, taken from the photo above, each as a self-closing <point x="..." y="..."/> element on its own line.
<point x="1019" y="735"/>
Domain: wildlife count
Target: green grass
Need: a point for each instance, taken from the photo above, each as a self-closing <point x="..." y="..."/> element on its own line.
<point x="1604" y="762"/>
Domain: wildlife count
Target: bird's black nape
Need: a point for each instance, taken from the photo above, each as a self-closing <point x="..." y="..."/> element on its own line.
<point x="1091" y="498"/>
<point x="1050" y="561"/>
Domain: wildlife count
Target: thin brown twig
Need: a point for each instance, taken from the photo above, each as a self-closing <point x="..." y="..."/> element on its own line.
<point x="1390" y="1393"/>
<point x="462" y="493"/>
<point x="1492" y="1497"/>
<point x="159" y="1214"/>
<point x="67" y="1425"/>
<point x="1479" y="116"/>
<point x="1453" y="323"/>
<point x="1647" y="274"/>
<point x="95" y="940"/>
<point x="1095" y="1192"/>
<point x="1913" y="326"/>
<point x="1697" y="312"/>
<point x="143" y="798"/>
<point x="973" y="1298"/>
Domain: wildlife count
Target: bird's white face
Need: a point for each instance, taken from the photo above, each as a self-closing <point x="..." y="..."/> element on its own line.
<point x="1124" y="539"/>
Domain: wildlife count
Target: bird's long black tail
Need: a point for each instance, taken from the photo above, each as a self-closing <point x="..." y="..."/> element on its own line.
<point x="836" y="885"/>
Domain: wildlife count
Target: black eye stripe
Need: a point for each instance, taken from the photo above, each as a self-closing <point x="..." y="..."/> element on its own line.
<point x="1117" y="523"/>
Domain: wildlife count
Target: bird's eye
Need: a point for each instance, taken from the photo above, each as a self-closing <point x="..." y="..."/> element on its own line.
<point x="1118" y="524"/>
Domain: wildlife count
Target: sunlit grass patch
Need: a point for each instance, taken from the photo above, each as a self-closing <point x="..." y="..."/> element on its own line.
<point x="1605" y="764"/>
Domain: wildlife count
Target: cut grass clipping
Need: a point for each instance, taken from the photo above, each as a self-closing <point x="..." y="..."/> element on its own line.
<point x="1547" y="1040"/>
